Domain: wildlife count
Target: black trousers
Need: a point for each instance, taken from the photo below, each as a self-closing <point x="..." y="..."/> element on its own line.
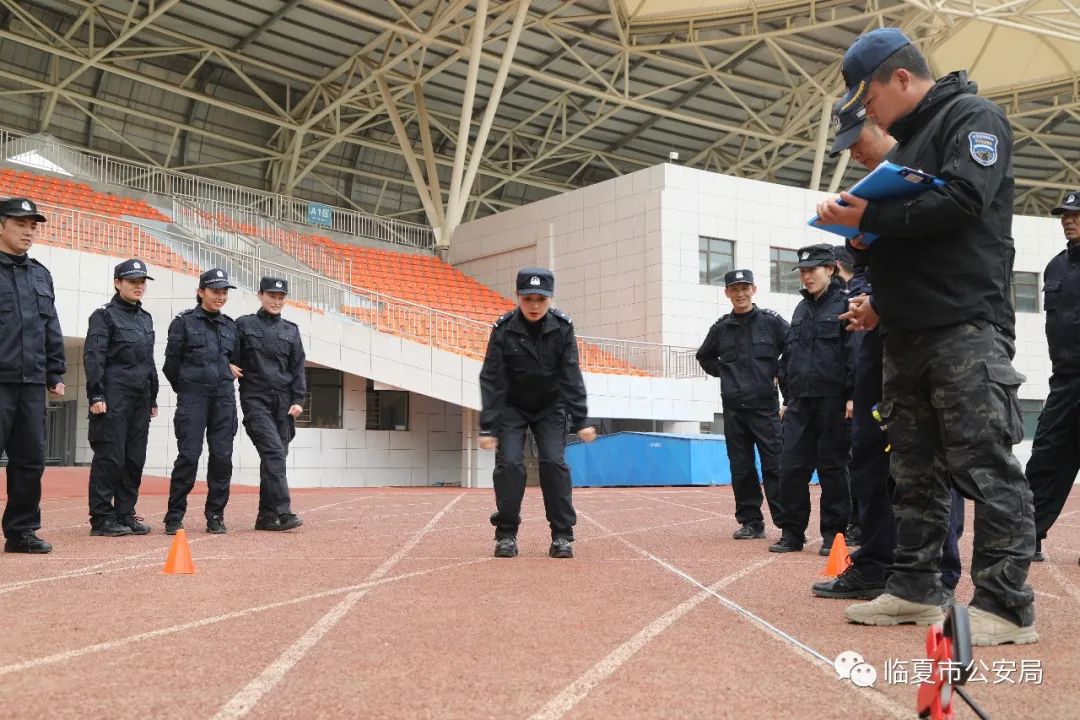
<point x="950" y="396"/>
<point x="1055" y="452"/>
<point x="816" y="436"/>
<point x="549" y="428"/>
<point x="196" y="415"/>
<point x="745" y="429"/>
<point x="871" y="482"/>
<point x="22" y="436"/>
<point x="118" y="438"/>
<point x="271" y="429"/>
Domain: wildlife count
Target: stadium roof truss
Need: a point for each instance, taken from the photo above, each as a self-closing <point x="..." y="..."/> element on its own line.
<point x="445" y="110"/>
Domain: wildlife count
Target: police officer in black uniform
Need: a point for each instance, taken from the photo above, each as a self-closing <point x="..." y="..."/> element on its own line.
<point x="941" y="267"/>
<point x="269" y="360"/>
<point x="816" y="379"/>
<point x="31" y="360"/>
<point x="121" y="387"/>
<point x="197" y="356"/>
<point x="531" y="379"/>
<point x="1055" y="452"/>
<point x="743" y="349"/>
<point x="869" y="466"/>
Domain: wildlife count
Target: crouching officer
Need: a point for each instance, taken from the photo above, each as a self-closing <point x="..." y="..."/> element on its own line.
<point x="269" y="360"/>
<point x="743" y="349"/>
<point x="531" y="379"/>
<point x="121" y="387"/>
<point x="31" y="360"/>
<point x="816" y="379"/>
<point x="197" y="356"/>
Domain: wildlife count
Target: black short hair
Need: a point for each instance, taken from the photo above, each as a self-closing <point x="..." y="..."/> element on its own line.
<point x="906" y="58"/>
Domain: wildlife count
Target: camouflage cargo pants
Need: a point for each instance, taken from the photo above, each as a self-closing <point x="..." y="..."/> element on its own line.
<point x="950" y="397"/>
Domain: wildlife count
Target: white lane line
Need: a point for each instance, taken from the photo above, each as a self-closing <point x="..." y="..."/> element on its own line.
<point x="236" y="614"/>
<point x="1064" y="581"/>
<point x="576" y="691"/>
<point x="798" y="647"/>
<point x="243" y="702"/>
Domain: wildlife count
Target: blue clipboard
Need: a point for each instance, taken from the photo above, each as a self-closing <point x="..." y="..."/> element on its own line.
<point x="888" y="181"/>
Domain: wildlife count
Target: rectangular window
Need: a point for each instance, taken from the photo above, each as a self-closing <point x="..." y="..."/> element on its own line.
<point x="1025" y="291"/>
<point x="322" y="404"/>
<point x="387" y="409"/>
<point x="715" y="258"/>
<point x="782" y="279"/>
<point x="1031" y="409"/>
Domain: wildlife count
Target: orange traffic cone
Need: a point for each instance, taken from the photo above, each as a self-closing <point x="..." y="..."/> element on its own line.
<point x="839" y="559"/>
<point x="179" y="560"/>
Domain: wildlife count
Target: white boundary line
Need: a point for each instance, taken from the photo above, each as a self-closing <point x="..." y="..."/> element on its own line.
<point x="244" y="701"/>
<point x="195" y="624"/>
<point x="576" y="691"/>
<point x="801" y="649"/>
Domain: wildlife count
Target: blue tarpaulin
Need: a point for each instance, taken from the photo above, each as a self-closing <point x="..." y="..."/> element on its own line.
<point x="643" y="459"/>
<point x="640" y="459"/>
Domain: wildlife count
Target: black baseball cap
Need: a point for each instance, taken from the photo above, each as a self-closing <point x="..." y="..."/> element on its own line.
<point x="20" y="207"/>
<point x="1069" y="203"/>
<point x="535" y="281"/>
<point x="132" y="269"/>
<point x="215" y="278"/>
<point x="273" y="284"/>
<point x="847" y="124"/>
<point x="736" y="277"/>
<point x="814" y="255"/>
<point x="864" y="56"/>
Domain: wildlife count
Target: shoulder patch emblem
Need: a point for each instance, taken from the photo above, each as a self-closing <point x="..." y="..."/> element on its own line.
<point x="983" y="147"/>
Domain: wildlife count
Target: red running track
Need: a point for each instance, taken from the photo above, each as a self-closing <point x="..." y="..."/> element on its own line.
<point x="388" y="604"/>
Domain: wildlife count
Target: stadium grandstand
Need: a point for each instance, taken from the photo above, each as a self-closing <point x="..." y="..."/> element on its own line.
<point x="398" y="160"/>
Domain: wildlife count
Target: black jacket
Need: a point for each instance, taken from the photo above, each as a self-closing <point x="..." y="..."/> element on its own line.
<point x="271" y="354"/>
<point x="1061" y="300"/>
<point x="945" y="256"/>
<point x="818" y="356"/>
<point x="119" y="353"/>
<point x="198" y="352"/>
<point x="744" y="352"/>
<point x="516" y="372"/>
<point x="31" y="343"/>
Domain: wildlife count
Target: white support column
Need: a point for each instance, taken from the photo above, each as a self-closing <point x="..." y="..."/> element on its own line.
<point x="838" y="173"/>
<point x="406" y="151"/>
<point x="456" y="206"/>
<point x="462" y="144"/>
<point x="822" y="142"/>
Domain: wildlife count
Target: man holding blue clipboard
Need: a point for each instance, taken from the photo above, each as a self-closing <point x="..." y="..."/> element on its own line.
<point x="941" y="267"/>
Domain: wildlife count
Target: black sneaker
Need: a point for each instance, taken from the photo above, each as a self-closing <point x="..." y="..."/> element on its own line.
<point x="853" y="535"/>
<point x="28" y="543"/>
<point x="110" y="527"/>
<point x="277" y="523"/>
<point x="561" y="548"/>
<point x="171" y="526"/>
<point x="138" y="527"/>
<point x="787" y="544"/>
<point x="1038" y="556"/>
<point x="506" y="547"/>
<point x="215" y="525"/>
<point x="749" y="531"/>
<point x="824" y="550"/>
<point x="850" y="585"/>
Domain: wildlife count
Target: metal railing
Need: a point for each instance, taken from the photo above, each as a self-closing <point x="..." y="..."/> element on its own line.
<point x="88" y="232"/>
<point x="213" y="220"/>
<point x="143" y="177"/>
